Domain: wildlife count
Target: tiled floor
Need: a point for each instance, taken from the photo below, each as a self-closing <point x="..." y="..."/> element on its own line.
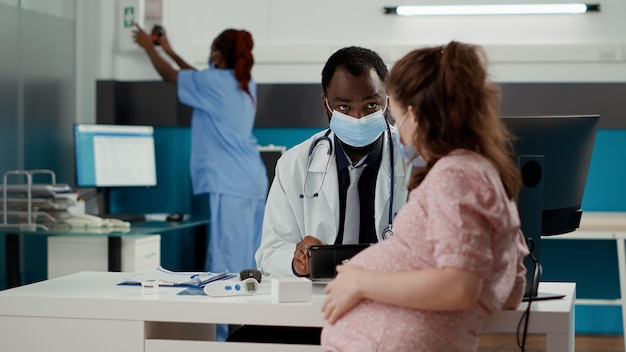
<point x="537" y="343"/>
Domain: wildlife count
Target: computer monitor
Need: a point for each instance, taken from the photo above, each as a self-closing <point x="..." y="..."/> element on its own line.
<point x="114" y="155"/>
<point x="270" y="155"/>
<point x="553" y="154"/>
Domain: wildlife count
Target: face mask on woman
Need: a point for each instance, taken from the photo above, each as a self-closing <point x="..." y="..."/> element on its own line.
<point x="409" y="152"/>
<point x="357" y="132"/>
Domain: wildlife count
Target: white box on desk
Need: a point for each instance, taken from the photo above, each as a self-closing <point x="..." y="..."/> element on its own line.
<point x="292" y="289"/>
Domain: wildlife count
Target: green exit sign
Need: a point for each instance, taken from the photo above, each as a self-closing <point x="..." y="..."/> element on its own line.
<point x="129" y="16"/>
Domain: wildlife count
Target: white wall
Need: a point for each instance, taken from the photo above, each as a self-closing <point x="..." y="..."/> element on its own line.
<point x="56" y="8"/>
<point x="293" y="38"/>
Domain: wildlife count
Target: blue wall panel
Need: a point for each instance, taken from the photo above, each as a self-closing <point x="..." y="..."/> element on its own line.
<point x="601" y="320"/>
<point x="593" y="264"/>
<point x="606" y="183"/>
<point x="287" y="137"/>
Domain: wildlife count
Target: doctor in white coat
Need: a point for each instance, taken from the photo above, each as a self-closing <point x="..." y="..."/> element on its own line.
<point x="303" y="205"/>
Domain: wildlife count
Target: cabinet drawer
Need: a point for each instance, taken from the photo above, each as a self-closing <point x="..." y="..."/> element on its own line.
<point x="139" y="253"/>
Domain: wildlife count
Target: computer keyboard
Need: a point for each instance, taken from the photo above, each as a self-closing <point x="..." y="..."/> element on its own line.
<point x="132" y="218"/>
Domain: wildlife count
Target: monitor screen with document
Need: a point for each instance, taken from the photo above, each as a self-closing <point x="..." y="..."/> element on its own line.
<point x="114" y="155"/>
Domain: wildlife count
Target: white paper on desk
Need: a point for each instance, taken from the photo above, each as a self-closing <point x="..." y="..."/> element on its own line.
<point x="174" y="278"/>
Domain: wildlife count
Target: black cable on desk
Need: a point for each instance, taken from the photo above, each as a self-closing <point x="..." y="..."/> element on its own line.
<point x="533" y="292"/>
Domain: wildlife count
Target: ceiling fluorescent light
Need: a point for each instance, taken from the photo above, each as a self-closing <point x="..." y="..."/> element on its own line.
<point x="502" y="9"/>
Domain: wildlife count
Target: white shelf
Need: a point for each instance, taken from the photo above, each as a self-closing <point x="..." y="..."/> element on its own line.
<point x="611" y="226"/>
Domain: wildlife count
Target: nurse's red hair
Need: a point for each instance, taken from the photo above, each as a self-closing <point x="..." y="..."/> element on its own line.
<point x="236" y="48"/>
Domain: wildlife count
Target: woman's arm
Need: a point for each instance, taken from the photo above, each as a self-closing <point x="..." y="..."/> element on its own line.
<point x="167" y="72"/>
<point x="514" y="300"/>
<point x="164" y="42"/>
<point x="429" y="289"/>
<point x="519" y="287"/>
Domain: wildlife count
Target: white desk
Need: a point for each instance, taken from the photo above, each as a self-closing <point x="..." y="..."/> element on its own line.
<point x="604" y="226"/>
<point x="88" y="312"/>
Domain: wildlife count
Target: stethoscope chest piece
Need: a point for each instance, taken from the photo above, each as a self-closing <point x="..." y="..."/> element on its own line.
<point x="388" y="233"/>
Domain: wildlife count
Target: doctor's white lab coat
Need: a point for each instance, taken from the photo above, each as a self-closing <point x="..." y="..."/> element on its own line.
<point x="289" y="218"/>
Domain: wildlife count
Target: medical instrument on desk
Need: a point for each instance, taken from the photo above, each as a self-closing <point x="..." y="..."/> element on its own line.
<point x="227" y="288"/>
<point x="250" y="273"/>
<point x="150" y="287"/>
<point x="388" y="233"/>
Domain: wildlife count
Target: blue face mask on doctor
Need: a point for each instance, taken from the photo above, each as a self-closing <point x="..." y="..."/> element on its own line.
<point x="357" y="132"/>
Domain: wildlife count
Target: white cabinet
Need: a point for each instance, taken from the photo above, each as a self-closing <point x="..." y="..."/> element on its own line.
<point x="28" y="334"/>
<point x="141" y="254"/>
<point x="72" y="254"/>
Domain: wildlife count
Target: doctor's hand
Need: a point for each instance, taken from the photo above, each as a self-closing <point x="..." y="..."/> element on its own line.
<point x="301" y="254"/>
<point x="343" y="293"/>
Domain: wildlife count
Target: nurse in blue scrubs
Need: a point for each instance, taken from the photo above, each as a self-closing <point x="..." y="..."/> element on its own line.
<point x="225" y="161"/>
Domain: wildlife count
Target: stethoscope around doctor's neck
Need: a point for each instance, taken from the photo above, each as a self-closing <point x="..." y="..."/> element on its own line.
<point x="325" y="139"/>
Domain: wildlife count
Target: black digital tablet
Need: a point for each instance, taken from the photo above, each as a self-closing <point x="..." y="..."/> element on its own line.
<point x="324" y="259"/>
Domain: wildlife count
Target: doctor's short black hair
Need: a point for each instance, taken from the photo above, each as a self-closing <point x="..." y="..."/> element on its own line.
<point x="355" y="60"/>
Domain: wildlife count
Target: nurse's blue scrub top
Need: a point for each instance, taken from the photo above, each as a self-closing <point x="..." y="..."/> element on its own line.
<point x="224" y="154"/>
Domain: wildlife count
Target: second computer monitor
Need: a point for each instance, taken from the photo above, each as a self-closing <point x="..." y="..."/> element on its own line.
<point x="114" y="155"/>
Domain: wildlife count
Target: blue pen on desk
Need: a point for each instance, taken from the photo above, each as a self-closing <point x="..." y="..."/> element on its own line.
<point x="194" y="276"/>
